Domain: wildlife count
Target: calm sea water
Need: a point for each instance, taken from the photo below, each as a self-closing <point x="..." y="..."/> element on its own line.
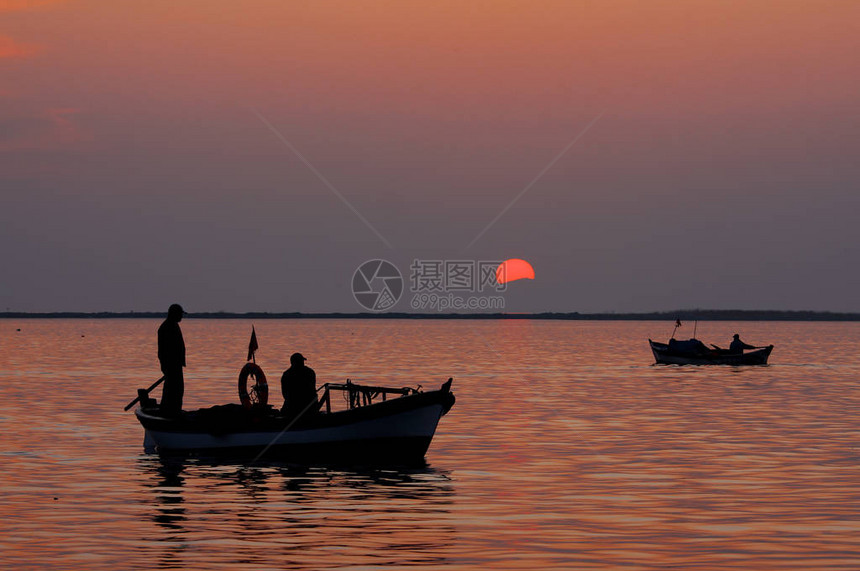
<point x="567" y="449"/>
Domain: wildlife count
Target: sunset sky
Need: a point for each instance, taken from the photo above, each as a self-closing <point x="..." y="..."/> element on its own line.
<point x="250" y="156"/>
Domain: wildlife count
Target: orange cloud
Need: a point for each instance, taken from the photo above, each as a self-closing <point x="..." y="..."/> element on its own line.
<point x="9" y="48"/>
<point x="53" y="128"/>
<point x="65" y="131"/>
<point x="24" y="5"/>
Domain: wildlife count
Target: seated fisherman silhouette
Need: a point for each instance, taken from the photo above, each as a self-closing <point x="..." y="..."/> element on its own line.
<point x="738" y="346"/>
<point x="299" y="387"/>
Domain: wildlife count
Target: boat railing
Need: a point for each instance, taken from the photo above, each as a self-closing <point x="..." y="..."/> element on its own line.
<point x="361" y="395"/>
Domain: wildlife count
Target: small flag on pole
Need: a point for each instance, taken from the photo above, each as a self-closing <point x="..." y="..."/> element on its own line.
<point x="252" y="346"/>
<point x="677" y="323"/>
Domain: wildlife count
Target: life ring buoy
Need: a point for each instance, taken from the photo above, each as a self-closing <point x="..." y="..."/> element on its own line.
<point x="259" y="394"/>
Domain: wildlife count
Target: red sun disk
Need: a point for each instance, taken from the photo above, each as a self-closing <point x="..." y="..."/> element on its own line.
<point x="514" y="269"/>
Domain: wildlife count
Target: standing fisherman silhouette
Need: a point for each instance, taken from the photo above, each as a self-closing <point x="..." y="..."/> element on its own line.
<point x="171" y="355"/>
<point x="299" y="387"/>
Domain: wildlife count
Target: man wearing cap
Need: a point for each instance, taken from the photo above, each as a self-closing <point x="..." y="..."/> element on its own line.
<point x="738" y="346"/>
<point x="299" y="387"/>
<point x="171" y="355"/>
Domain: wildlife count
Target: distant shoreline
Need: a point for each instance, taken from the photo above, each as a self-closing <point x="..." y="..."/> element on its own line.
<point x="683" y="315"/>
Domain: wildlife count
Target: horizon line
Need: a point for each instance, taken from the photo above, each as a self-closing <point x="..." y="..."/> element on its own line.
<point x="682" y="314"/>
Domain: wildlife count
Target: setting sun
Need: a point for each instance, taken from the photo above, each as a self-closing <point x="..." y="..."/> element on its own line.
<point x="514" y="269"/>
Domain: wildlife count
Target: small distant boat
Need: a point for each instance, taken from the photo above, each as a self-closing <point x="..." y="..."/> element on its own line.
<point x="694" y="352"/>
<point x="394" y="430"/>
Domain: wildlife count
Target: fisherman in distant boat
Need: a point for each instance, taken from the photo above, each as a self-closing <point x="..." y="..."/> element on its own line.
<point x="171" y="356"/>
<point x="299" y="387"/>
<point x="738" y="346"/>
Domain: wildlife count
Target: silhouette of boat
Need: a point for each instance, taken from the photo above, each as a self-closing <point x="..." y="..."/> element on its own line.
<point x="396" y="430"/>
<point x="694" y="352"/>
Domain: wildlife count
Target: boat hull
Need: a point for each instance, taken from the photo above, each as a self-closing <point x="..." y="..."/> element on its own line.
<point x="397" y="430"/>
<point x="663" y="355"/>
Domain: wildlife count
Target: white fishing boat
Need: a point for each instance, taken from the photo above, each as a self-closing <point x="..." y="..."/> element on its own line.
<point x="378" y="424"/>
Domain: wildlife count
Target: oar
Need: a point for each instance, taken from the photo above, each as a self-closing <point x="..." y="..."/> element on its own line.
<point x="146" y="392"/>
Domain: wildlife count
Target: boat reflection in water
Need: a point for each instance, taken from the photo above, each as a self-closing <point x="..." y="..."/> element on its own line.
<point x="168" y="490"/>
<point x="288" y="516"/>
